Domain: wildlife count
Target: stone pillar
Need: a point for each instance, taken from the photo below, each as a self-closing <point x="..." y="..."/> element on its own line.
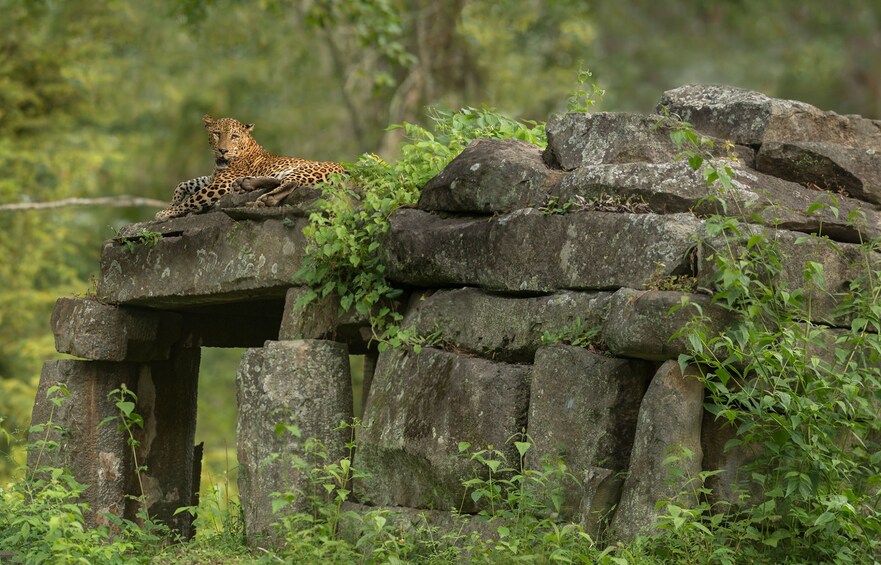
<point x="98" y="457"/>
<point x="141" y="349"/>
<point x="167" y="393"/>
<point x="583" y="408"/>
<point x="420" y="406"/>
<point x="669" y="425"/>
<point x="301" y="382"/>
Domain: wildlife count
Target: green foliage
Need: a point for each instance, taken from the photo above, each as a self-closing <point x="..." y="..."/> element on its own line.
<point x="344" y="236"/>
<point x="127" y="420"/>
<point x="602" y="202"/>
<point x="802" y="397"/>
<point x="575" y="333"/>
<point x="144" y="237"/>
<point x="583" y="100"/>
<point x="554" y="207"/>
<point x="520" y="520"/>
<point x="659" y="281"/>
<point x="42" y="520"/>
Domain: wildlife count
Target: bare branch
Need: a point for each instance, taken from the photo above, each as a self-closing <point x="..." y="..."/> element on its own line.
<point x="106" y="201"/>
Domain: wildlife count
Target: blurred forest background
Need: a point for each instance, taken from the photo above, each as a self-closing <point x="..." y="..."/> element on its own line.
<point x="105" y="98"/>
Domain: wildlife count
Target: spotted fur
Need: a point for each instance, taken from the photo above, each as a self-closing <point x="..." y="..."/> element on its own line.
<point x="242" y="165"/>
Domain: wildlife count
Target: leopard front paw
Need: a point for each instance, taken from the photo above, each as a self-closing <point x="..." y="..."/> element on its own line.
<point x="256" y="204"/>
<point x="241" y="185"/>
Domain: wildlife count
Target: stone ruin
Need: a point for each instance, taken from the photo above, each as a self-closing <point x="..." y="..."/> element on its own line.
<point x="487" y="268"/>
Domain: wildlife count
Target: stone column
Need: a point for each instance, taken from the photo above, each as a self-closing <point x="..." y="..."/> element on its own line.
<point x="98" y="457"/>
<point x="167" y="392"/>
<point x="140" y="349"/>
<point x="302" y="383"/>
<point x="583" y="408"/>
<point x="669" y="424"/>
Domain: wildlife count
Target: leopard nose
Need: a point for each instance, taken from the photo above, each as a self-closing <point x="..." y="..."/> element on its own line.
<point x="223" y="151"/>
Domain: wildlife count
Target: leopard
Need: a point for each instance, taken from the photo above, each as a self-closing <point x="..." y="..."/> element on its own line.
<point x="243" y="165"/>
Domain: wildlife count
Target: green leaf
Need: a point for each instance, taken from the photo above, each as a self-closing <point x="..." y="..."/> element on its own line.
<point x="522" y="447"/>
<point x="278" y="504"/>
<point x="125" y="407"/>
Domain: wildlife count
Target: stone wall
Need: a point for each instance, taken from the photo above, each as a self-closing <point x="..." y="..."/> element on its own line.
<point x="488" y="267"/>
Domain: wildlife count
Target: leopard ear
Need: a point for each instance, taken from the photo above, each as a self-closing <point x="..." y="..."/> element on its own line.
<point x="208" y="120"/>
<point x="249" y="127"/>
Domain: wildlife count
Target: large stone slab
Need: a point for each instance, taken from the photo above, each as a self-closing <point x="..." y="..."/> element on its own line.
<point x="641" y="325"/>
<point x="579" y="139"/>
<point x="419" y="408"/>
<point x="855" y="171"/>
<point x="753" y="118"/>
<point x="87" y="328"/>
<point x="669" y="425"/>
<point x="842" y="263"/>
<point x="502" y="327"/>
<point x="527" y="251"/>
<point x="208" y="258"/>
<point x="98" y="456"/>
<point x="756" y="197"/>
<point x="490" y="176"/>
<point x="583" y="408"/>
<point x="304" y="383"/>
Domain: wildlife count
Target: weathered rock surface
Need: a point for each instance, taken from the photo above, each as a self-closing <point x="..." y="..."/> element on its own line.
<point x="87" y="328"/>
<point x="490" y="176"/>
<point x="756" y="197"/>
<point x="753" y="118"/>
<point x="208" y="258"/>
<point x="502" y="327"/>
<point x="583" y="408"/>
<point x="641" y="325"/>
<point x="530" y="252"/>
<point x="419" y="408"/>
<point x="304" y="383"/>
<point x="733" y="482"/>
<point x="98" y="456"/>
<point x="316" y="320"/>
<point x="321" y="319"/>
<point x="579" y="139"/>
<point x="669" y="425"/>
<point x="855" y="171"/>
<point x="601" y="493"/>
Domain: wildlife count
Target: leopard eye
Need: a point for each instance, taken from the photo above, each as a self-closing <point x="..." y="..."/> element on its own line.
<point x="235" y="136"/>
<point x="215" y="135"/>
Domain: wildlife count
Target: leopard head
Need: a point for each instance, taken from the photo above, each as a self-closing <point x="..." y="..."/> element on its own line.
<point x="230" y="139"/>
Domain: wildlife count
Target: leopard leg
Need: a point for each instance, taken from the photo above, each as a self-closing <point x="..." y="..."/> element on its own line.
<point x="276" y="195"/>
<point x="248" y="184"/>
<point x="201" y="200"/>
<point x="187" y="188"/>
